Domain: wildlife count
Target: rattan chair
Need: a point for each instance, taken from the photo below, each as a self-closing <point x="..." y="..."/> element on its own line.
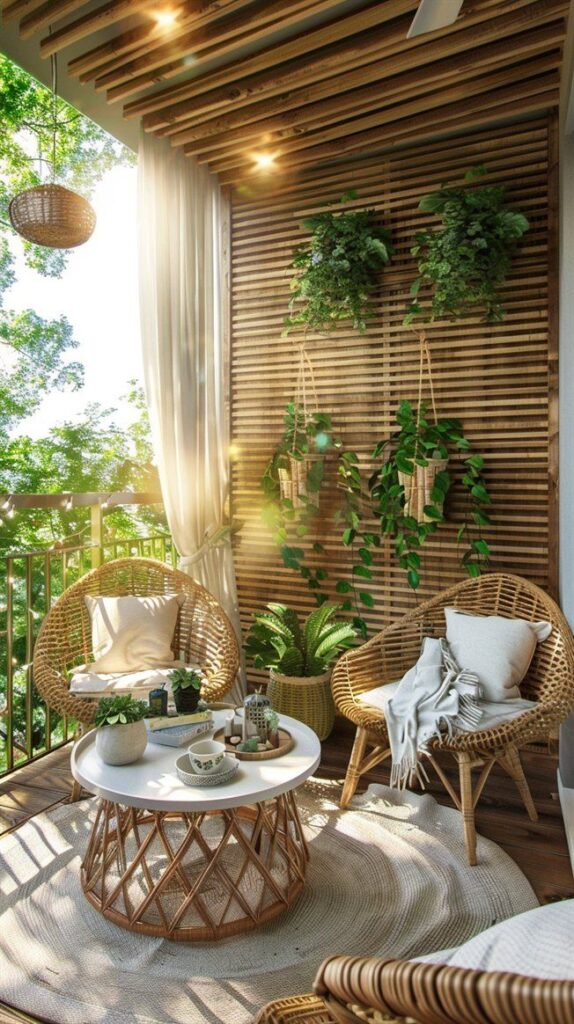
<point x="388" y="655"/>
<point x="203" y="632"/>
<point x="363" y="990"/>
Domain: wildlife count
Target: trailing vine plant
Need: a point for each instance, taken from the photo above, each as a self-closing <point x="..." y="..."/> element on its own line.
<point x="466" y="259"/>
<point x="418" y="440"/>
<point x="290" y="522"/>
<point x="337" y="269"/>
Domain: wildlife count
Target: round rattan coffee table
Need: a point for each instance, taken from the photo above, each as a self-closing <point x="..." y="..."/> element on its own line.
<point x="189" y="863"/>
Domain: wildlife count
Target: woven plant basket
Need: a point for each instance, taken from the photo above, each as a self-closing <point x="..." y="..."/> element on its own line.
<point x="418" y="487"/>
<point x="293" y="481"/>
<point x="308" y="699"/>
<point x="53" y="216"/>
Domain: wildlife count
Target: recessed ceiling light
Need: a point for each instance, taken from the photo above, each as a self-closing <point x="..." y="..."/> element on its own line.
<point x="165" y="18"/>
<point x="264" y="161"/>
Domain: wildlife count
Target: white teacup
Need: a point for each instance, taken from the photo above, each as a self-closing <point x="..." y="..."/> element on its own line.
<point x="206" y="756"/>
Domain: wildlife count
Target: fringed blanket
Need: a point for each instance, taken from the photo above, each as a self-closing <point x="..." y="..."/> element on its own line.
<point x="437" y="699"/>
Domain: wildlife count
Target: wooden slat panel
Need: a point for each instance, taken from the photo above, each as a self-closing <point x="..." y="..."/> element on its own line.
<point x="497" y="378"/>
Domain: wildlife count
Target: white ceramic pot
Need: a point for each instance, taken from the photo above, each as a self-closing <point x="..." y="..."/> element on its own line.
<point x="121" y="744"/>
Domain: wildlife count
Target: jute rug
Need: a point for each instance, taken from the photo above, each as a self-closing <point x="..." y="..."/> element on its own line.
<point x="387" y="877"/>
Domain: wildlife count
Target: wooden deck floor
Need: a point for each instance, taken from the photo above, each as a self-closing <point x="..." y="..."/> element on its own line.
<point x="538" y="848"/>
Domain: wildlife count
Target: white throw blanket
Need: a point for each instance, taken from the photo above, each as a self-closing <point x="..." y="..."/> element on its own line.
<point x="434" y="699"/>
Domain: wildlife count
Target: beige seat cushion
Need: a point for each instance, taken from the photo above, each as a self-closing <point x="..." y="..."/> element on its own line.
<point x="132" y="633"/>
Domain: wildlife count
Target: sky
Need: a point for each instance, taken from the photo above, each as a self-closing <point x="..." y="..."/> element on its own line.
<point x="98" y="294"/>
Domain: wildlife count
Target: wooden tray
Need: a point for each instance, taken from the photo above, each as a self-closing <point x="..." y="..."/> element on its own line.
<point x="286" y="743"/>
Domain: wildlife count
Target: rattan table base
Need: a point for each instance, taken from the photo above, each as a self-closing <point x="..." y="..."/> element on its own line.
<point x="195" y="876"/>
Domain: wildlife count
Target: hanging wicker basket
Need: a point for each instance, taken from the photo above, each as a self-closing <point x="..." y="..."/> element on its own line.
<point x="53" y="216"/>
<point x="293" y="481"/>
<point x="418" y="488"/>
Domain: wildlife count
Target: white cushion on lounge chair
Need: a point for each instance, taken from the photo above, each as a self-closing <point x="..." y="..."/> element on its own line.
<point x="379" y="697"/>
<point x="101" y="684"/>
<point x="539" y="943"/>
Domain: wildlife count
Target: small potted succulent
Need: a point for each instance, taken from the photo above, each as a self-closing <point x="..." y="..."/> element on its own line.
<point x="186" y="685"/>
<point x="121" y="735"/>
<point x="272" y="720"/>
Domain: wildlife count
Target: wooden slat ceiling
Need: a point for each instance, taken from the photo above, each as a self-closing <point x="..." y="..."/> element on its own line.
<point x="304" y="81"/>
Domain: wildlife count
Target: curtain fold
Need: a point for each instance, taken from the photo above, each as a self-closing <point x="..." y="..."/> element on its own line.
<point x="181" y="212"/>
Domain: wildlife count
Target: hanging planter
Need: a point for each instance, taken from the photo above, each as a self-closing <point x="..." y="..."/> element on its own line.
<point x="297" y="465"/>
<point x="52" y="215"/>
<point x="419" y="486"/>
<point x="464" y="262"/>
<point x="337" y="270"/>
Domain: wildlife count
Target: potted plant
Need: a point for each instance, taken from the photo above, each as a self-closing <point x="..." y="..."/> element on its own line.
<point x="466" y="259"/>
<point x="299" y="658"/>
<point x="337" y="269"/>
<point x="186" y="686"/>
<point x="272" y="720"/>
<point x="121" y="735"/>
<point x="418" y="452"/>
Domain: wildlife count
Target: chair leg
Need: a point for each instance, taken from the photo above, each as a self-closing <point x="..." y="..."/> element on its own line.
<point x="467" y="806"/>
<point x="512" y="764"/>
<point x="353" y="771"/>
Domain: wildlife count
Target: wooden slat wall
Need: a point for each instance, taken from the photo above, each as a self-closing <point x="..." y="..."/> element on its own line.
<point x="498" y="379"/>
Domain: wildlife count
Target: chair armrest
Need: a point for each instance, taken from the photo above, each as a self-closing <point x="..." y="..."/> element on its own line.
<point x="438" y="994"/>
<point x="383" y="659"/>
<point x="53" y="686"/>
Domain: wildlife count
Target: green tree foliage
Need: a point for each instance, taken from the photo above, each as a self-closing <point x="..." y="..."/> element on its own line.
<point x="36" y="358"/>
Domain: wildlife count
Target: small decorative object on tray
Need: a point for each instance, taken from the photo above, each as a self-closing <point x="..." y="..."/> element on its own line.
<point x="255" y="705"/>
<point x="186" y="773"/>
<point x="272" y="720"/>
<point x="253" y="749"/>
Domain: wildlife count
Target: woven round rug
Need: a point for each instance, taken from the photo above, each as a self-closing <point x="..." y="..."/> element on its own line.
<point x="386" y="877"/>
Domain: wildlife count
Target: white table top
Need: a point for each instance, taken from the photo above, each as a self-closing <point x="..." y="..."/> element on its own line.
<point x="152" y="781"/>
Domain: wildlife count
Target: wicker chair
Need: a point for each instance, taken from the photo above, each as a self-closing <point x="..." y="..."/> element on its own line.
<point x="363" y="990"/>
<point x="203" y="632"/>
<point x="388" y="655"/>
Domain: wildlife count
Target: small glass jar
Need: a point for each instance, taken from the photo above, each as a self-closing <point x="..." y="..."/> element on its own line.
<point x="157" y="700"/>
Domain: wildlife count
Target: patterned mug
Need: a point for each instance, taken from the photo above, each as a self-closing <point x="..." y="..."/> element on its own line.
<point x="206" y="756"/>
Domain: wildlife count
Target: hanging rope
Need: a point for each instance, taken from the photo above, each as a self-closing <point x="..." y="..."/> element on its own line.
<point x="305" y="370"/>
<point x="54" y="67"/>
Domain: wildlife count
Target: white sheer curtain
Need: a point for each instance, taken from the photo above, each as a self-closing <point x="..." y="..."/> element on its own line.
<point x="181" y="212"/>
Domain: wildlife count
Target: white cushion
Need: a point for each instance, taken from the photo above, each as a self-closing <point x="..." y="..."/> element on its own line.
<point x="132" y="633"/>
<point x="100" y="684"/>
<point x="498" y="650"/>
<point x="379" y="697"/>
<point x="538" y="943"/>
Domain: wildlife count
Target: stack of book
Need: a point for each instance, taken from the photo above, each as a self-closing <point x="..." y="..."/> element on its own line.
<point x="178" y="730"/>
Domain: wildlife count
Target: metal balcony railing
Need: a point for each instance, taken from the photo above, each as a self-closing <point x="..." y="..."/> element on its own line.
<point x="31" y="581"/>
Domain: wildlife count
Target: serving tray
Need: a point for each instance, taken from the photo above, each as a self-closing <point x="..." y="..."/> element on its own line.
<point x="286" y="743"/>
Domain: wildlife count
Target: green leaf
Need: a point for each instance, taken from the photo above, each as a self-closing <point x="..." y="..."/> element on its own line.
<point x="349" y="536"/>
<point x="413" y="578"/>
<point x="366" y="599"/>
<point x="363" y="571"/>
<point x="343" y="587"/>
<point x="366" y="556"/>
<point x="482" y="547"/>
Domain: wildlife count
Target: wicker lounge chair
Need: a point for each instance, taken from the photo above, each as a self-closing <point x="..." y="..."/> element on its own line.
<point x="203" y="632"/>
<point x="388" y="655"/>
<point x="363" y="990"/>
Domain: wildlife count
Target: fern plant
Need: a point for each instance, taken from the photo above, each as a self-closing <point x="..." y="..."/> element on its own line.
<point x="278" y="640"/>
